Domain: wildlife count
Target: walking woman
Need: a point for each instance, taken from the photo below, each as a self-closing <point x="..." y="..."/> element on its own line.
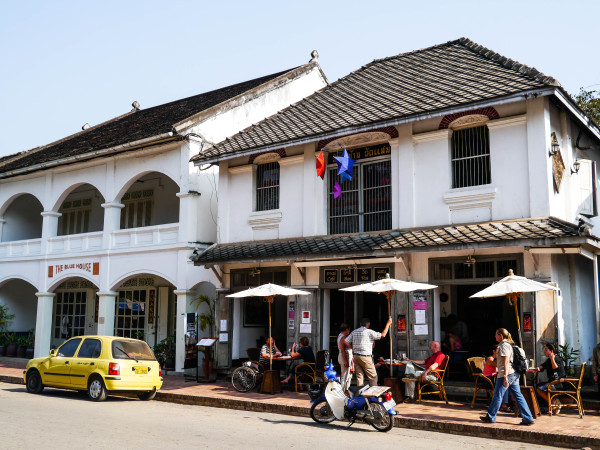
<point x="507" y="379"/>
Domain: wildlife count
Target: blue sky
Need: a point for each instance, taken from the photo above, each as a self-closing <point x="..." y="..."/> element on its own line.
<point x="65" y="63"/>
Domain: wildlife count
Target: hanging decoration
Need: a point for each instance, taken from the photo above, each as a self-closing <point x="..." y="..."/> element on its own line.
<point x="321" y="166"/>
<point x="337" y="190"/>
<point x="345" y="163"/>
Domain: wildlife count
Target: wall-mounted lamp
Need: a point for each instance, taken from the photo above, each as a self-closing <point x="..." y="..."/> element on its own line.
<point x="555" y="148"/>
<point x="470" y="261"/>
<point x="575" y="168"/>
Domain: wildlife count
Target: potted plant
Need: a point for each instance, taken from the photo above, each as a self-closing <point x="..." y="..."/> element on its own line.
<point x="3" y="342"/>
<point x="569" y="355"/>
<point x="30" y="344"/>
<point x="11" y="345"/>
<point x="22" y="343"/>
<point x="165" y="352"/>
<point x="207" y="321"/>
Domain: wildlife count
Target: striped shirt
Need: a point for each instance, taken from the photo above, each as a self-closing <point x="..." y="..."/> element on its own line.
<point x="362" y="340"/>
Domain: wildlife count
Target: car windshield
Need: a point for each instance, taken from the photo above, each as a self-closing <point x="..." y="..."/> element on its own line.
<point x="131" y="350"/>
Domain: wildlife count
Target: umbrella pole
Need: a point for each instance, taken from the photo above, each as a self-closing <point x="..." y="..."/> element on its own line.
<point x="389" y="295"/>
<point x="514" y="298"/>
<point x="269" y="301"/>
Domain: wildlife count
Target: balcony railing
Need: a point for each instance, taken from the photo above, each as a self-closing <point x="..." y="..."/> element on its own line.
<point x="75" y="243"/>
<point x="139" y="237"/>
<point x="29" y="247"/>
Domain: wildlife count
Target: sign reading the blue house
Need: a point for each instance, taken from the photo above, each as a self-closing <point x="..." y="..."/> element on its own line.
<point x="365" y="152"/>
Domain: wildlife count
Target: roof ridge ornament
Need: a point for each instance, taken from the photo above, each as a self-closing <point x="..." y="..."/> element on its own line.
<point x="314" y="55"/>
<point x="136" y="106"/>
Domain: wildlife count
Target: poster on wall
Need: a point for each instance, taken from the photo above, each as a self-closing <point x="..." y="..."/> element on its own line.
<point x="527" y="328"/>
<point x="401" y="323"/>
<point x="305" y="316"/>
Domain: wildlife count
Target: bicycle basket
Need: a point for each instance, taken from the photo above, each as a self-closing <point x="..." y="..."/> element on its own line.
<point x="315" y="391"/>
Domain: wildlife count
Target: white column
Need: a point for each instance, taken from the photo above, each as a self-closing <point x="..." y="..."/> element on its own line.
<point x="112" y="220"/>
<point x="403" y="178"/>
<point x="43" y="323"/>
<point x="539" y="163"/>
<point x="2" y="222"/>
<point x="326" y="318"/>
<point x="49" y="227"/>
<point x="106" y="312"/>
<point x="188" y="216"/>
<point x="183" y="299"/>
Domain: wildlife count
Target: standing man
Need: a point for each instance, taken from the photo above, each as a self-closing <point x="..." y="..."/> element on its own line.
<point x="554" y="367"/>
<point x="429" y="374"/>
<point x="361" y="342"/>
<point x="596" y="366"/>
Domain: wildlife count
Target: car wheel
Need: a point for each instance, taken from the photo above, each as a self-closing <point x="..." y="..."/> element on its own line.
<point x="96" y="389"/>
<point x="34" y="382"/>
<point x="146" y="395"/>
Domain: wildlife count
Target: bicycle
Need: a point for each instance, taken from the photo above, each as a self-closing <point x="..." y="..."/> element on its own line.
<point x="247" y="377"/>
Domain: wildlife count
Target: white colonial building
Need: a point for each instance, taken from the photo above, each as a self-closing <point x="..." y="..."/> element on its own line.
<point x="467" y="164"/>
<point x="97" y="228"/>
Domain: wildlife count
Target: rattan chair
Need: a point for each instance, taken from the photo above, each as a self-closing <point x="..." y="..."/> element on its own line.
<point x="304" y="375"/>
<point x="438" y="384"/>
<point x="254" y="357"/>
<point x="482" y="383"/>
<point x="322" y="359"/>
<point x="573" y="396"/>
<point x="457" y="363"/>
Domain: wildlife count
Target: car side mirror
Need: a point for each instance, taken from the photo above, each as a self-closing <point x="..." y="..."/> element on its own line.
<point x="53" y="352"/>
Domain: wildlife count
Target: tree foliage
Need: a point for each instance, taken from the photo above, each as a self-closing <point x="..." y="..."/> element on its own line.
<point x="589" y="102"/>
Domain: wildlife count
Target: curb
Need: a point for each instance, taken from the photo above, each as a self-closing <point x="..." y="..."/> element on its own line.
<point x="484" y="431"/>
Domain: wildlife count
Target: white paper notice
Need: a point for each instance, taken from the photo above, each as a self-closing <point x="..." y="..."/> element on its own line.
<point x="223" y="324"/>
<point x="420" y="316"/>
<point x="305" y="328"/>
<point x="291" y="324"/>
<point x="223" y="337"/>
<point x="421" y="330"/>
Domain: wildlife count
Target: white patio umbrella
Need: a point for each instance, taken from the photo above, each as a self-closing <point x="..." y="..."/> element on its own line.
<point x="512" y="286"/>
<point x="269" y="291"/>
<point x="387" y="286"/>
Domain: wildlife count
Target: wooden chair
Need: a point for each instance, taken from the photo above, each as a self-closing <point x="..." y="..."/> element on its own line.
<point x="438" y="384"/>
<point x="457" y="363"/>
<point x="482" y="383"/>
<point x="573" y="395"/>
<point x="254" y="356"/>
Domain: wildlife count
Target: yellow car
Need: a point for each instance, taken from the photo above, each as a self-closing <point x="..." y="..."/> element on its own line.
<point x="98" y="365"/>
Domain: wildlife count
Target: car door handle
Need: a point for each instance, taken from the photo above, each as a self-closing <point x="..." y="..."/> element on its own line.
<point x="66" y="362"/>
<point x="91" y="364"/>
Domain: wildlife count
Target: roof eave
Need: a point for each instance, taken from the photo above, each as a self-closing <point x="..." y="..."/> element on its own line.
<point x="198" y="160"/>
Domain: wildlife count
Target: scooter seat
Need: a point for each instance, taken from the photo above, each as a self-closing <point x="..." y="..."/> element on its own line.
<point x="357" y="390"/>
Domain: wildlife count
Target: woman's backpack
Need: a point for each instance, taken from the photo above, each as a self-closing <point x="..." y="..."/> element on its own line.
<point x="518" y="360"/>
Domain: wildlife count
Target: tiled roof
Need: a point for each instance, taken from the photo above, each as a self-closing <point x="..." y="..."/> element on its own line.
<point x="130" y="127"/>
<point x="514" y="232"/>
<point x="453" y="74"/>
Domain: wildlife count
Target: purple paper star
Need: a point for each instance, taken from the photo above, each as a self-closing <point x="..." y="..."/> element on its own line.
<point x="337" y="190"/>
<point x="344" y="162"/>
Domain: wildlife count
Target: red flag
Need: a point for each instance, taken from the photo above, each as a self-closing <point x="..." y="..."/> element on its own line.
<point x="321" y="166"/>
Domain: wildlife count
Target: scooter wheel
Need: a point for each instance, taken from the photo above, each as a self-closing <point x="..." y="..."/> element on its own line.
<point x="320" y="412"/>
<point x="383" y="421"/>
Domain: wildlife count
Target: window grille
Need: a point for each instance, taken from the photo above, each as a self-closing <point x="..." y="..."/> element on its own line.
<point x="138" y="209"/>
<point x="267" y="186"/>
<point x="471" y="157"/>
<point x="483" y="269"/>
<point x="366" y="200"/>
<point x="130" y="313"/>
<point x="69" y="317"/>
<point x="75" y="217"/>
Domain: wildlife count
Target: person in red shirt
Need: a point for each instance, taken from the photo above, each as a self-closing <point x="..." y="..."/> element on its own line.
<point x="429" y="374"/>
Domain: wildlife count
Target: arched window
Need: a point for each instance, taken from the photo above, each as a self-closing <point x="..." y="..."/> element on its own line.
<point x="267" y="186"/>
<point x="470" y="155"/>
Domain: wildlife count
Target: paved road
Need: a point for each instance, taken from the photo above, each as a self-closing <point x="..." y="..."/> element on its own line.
<point x="63" y="420"/>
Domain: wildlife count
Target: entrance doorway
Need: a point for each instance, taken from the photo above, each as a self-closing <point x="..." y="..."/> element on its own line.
<point x="483" y="316"/>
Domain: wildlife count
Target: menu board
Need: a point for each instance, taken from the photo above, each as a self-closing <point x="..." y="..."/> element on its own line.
<point x="331" y="275"/>
<point x="381" y="272"/>
<point x="363" y="275"/>
<point x="347" y="275"/>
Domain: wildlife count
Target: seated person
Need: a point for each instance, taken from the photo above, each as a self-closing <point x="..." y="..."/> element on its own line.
<point x="429" y="374"/>
<point x="490" y="370"/>
<point x="555" y="369"/>
<point x="303" y="353"/>
<point x="269" y="348"/>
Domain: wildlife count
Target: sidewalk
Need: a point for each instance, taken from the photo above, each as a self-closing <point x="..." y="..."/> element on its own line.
<point x="565" y="430"/>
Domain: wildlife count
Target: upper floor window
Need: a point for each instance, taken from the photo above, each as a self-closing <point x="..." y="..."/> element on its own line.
<point x="366" y="200"/>
<point x="138" y="209"/>
<point x="267" y="186"/>
<point x="75" y="216"/>
<point x="471" y="157"/>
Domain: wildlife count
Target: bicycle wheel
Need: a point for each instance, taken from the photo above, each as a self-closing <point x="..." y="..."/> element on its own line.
<point x="383" y="420"/>
<point x="243" y="379"/>
<point x="321" y="412"/>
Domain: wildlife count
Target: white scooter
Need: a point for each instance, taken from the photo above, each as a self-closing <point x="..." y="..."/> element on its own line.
<point x="370" y="404"/>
